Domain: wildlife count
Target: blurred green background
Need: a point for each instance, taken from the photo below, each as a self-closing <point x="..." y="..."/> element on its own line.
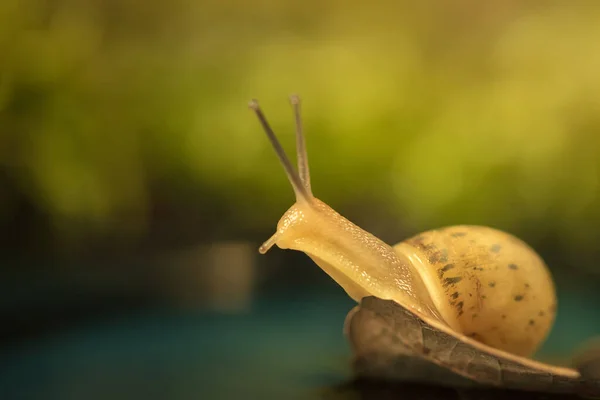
<point x="136" y="186"/>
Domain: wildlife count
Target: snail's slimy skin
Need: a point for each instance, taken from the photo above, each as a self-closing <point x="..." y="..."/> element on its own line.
<point x="359" y="262"/>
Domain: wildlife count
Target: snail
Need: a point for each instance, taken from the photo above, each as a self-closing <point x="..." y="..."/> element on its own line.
<point x="460" y="305"/>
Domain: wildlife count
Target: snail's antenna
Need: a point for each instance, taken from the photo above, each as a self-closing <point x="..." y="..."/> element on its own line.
<point x="301" y="155"/>
<point x="301" y="192"/>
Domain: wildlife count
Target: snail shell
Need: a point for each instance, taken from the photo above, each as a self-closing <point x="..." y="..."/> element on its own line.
<point x="486" y="284"/>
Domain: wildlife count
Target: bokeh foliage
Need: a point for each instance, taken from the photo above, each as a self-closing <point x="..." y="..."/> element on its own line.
<point x="435" y="113"/>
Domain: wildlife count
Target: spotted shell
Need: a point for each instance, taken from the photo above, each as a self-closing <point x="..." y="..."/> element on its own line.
<point x="487" y="284"/>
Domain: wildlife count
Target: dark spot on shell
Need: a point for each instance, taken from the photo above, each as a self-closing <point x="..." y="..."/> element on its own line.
<point x="426" y="350"/>
<point x="474" y="316"/>
<point x="513" y="266"/>
<point x="454" y="295"/>
<point x="503" y="316"/>
<point x="495" y="248"/>
<point x="419" y="244"/>
<point x="531" y="322"/>
<point x="458" y="234"/>
<point x="452" y="280"/>
<point x="518" y="297"/>
<point x="470" y="295"/>
<point x="443" y="257"/>
<point x="446" y="268"/>
<point x="483" y="297"/>
<point x="541" y="313"/>
<point x="472" y="308"/>
<point x="430" y="247"/>
<point x="475" y="336"/>
<point x="459" y="306"/>
<point x="492" y="284"/>
<point x="527" y="285"/>
<point x="460" y="313"/>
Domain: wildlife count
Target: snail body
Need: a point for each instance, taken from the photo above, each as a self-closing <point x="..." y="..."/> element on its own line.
<point x="470" y="285"/>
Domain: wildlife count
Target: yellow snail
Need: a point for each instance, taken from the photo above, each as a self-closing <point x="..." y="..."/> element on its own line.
<point x="470" y="285"/>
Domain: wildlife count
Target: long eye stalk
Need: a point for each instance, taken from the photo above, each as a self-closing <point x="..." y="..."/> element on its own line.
<point x="301" y="186"/>
<point x="301" y="156"/>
